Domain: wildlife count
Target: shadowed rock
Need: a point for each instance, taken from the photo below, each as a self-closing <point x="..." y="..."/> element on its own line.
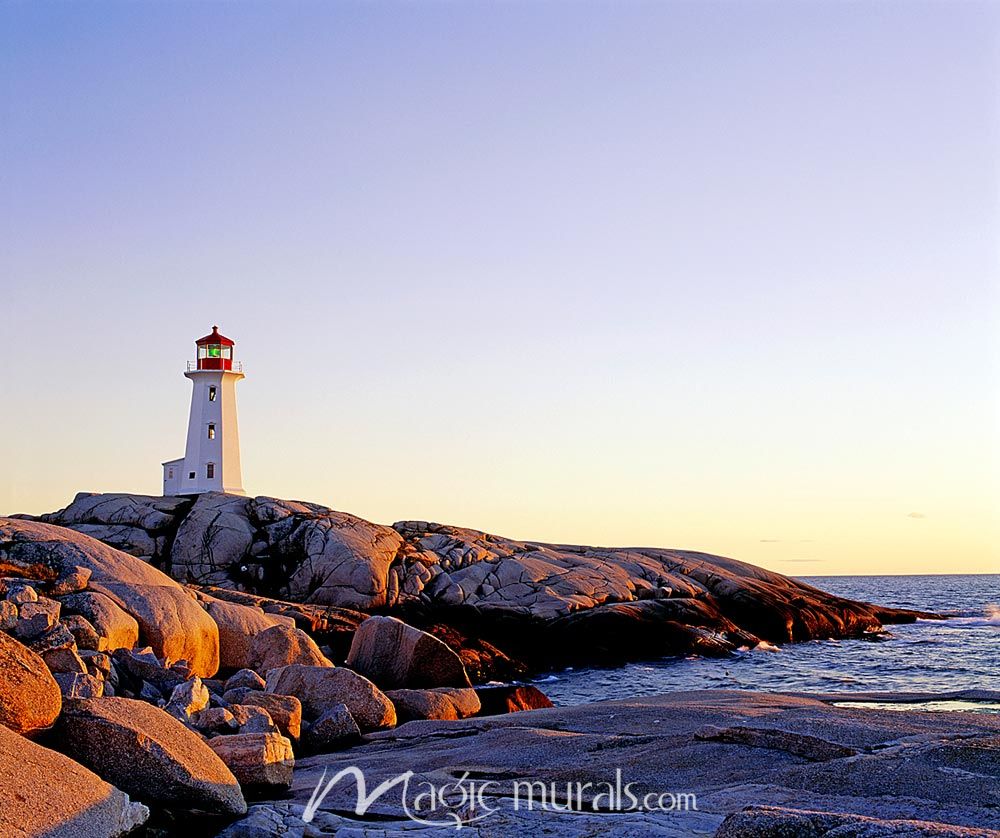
<point x="245" y="678"/>
<point x="333" y="730"/>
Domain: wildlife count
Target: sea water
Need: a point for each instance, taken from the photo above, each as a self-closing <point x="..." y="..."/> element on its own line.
<point x="927" y="656"/>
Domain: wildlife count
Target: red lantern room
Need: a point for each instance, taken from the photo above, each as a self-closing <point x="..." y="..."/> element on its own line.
<point x="215" y="351"/>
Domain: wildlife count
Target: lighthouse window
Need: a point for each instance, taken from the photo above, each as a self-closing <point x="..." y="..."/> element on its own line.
<point x="215" y="352"/>
<point x="211" y="431"/>
<point x="190" y="475"/>
<point x="211" y="394"/>
<point x="210" y="471"/>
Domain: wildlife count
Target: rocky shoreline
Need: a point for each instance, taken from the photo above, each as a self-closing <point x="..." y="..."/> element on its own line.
<point x="527" y="605"/>
<point x="152" y="656"/>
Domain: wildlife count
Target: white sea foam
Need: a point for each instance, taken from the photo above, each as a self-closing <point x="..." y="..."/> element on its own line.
<point x="764" y="646"/>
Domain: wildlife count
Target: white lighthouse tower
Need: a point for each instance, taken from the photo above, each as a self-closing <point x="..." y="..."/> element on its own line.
<point x="211" y="461"/>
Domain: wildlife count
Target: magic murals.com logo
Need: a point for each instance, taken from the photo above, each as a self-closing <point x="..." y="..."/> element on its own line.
<point x="466" y="800"/>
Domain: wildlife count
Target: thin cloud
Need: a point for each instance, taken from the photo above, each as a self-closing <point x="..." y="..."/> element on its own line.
<point x="783" y="541"/>
<point x="916" y="515"/>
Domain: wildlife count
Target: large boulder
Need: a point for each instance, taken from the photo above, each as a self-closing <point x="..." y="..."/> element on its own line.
<point x="147" y="753"/>
<point x="256" y="759"/>
<point x="395" y="655"/>
<point x="238" y="627"/>
<point x="441" y="704"/>
<point x="169" y="618"/>
<point x="320" y="688"/>
<point x="281" y="646"/>
<point x="116" y="628"/>
<point x="47" y="794"/>
<point x="30" y="698"/>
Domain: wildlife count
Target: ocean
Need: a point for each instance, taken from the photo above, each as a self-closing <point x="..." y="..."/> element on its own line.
<point x="927" y="656"/>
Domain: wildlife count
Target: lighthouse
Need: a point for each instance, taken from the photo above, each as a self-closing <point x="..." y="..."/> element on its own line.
<point x="211" y="461"/>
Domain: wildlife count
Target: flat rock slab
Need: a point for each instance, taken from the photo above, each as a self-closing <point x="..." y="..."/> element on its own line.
<point x="730" y="749"/>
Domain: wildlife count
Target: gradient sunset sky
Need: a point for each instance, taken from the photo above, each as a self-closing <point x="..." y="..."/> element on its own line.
<point x="716" y="276"/>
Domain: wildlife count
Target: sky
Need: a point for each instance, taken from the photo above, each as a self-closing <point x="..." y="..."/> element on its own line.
<point x="713" y="276"/>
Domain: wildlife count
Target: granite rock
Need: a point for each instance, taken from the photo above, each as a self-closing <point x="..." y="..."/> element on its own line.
<point x="147" y="753"/>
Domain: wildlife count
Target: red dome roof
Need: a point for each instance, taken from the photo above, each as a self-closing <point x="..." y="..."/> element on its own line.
<point x="215" y="338"/>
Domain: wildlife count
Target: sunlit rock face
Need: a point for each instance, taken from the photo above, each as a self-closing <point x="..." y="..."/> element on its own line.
<point x="148" y="753"/>
<point x="168" y="617"/>
<point x="593" y="603"/>
<point x="45" y="793"/>
<point x="29" y="696"/>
